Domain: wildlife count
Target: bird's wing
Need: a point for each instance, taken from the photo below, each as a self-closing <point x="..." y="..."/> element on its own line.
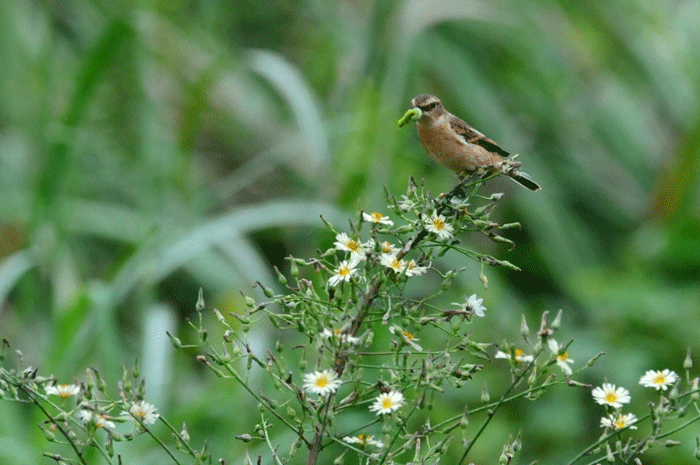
<point x="472" y="136"/>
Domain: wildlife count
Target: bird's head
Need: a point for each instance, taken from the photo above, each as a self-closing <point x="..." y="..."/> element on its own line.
<point x="429" y="105"/>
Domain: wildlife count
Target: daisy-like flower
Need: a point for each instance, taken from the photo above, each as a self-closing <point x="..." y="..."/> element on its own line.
<point x="344" y="272"/>
<point x="390" y="261"/>
<point x="412" y="269"/>
<point x="474" y="303"/>
<point x="100" y="419"/>
<point x="519" y="356"/>
<point x="363" y="440"/>
<point x="610" y="395"/>
<point x="437" y="224"/>
<point x="619" y="421"/>
<point x="408" y="338"/>
<point x="143" y="411"/>
<point x="63" y="391"/>
<point x="658" y="379"/>
<point x="377" y="218"/>
<point x="358" y="250"/>
<point x="388" y="248"/>
<point x="342" y="337"/>
<point x="472" y="306"/>
<point x="563" y="359"/>
<point x="321" y="382"/>
<point x="387" y="403"/>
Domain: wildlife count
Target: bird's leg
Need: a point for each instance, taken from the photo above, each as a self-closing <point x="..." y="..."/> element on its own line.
<point x="509" y="166"/>
<point x="466" y="174"/>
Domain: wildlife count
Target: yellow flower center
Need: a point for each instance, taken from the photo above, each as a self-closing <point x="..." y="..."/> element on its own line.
<point x="376" y="217"/>
<point x="611" y="397"/>
<point x="660" y="379"/>
<point x="563" y="357"/>
<point x="386" y="402"/>
<point x="353" y="246"/>
<point x="438" y="223"/>
<point x="63" y="391"/>
<point x="386" y="247"/>
<point x="337" y="331"/>
<point x="322" y="381"/>
<point x="518" y="354"/>
<point x="620" y="422"/>
<point x="408" y="335"/>
<point x="344" y="270"/>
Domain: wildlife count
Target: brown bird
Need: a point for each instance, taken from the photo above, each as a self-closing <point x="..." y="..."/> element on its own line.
<point x="458" y="146"/>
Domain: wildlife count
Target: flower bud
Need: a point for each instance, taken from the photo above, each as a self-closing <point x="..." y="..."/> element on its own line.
<point x="557" y="320"/>
<point x="199" y="306"/>
<point x="688" y="362"/>
<point x="219" y="316"/>
<point x="280" y="277"/>
<point x="524" y="328"/>
<point x="175" y="341"/>
<point x="485" y="398"/>
<point x="49" y="435"/>
<point x="695" y="396"/>
<point x="184" y="435"/>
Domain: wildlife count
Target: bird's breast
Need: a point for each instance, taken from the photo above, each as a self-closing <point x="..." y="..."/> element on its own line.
<point x="451" y="150"/>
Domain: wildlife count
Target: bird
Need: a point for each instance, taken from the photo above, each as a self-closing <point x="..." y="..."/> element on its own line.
<point x="458" y="146"/>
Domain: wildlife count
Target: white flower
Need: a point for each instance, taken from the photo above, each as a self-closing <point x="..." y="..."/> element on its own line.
<point x="142" y="410"/>
<point x="63" y="390"/>
<point x="390" y="261"/>
<point x="610" y="395"/>
<point x="387" y="403"/>
<point x="377" y="218"/>
<point x="358" y="250"/>
<point x="472" y="306"/>
<point x="388" y="248"/>
<point x="408" y="338"/>
<point x="414" y="270"/>
<point x="342" y="337"/>
<point x="618" y="422"/>
<point x="321" y="382"/>
<point x="100" y="420"/>
<point x="562" y="358"/>
<point x="436" y="224"/>
<point x="344" y="272"/>
<point x="363" y="440"/>
<point x="519" y="356"/>
<point x="398" y="266"/>
<point x="85" y="415"/>
<point x="406" y="204"/>
<point x="658" y="379"/>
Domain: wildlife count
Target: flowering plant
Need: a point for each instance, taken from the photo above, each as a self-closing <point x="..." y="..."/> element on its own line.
<point x="364" y="352"/>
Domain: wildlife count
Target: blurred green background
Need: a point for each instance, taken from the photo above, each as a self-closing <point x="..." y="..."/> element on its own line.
<point x="149" y="148"/>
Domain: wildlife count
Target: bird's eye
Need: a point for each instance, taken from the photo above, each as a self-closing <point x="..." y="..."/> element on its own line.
<point x="432" y="105"/>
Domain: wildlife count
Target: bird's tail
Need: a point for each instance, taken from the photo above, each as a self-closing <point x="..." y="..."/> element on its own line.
<point x="524" y="180"/>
